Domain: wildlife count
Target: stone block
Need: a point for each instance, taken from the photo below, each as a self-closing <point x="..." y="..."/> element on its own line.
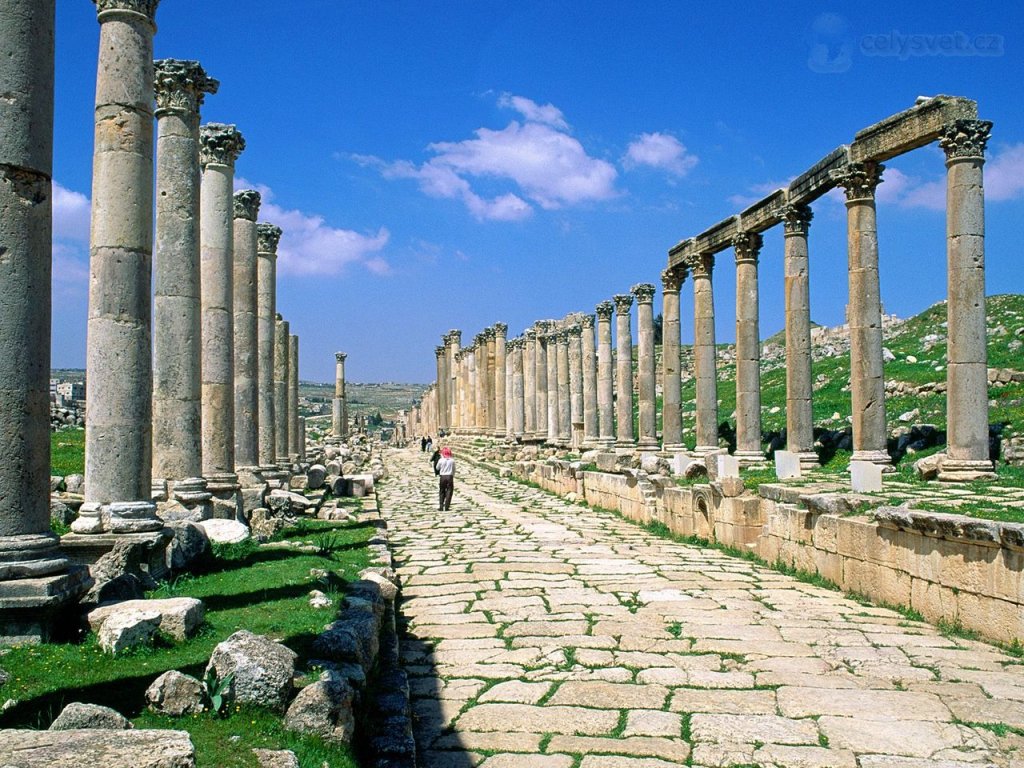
<point x="97" y="747"/>
<point x="787" y="465"/>
<point x="865" y="477"/>
<point x="78" y="715"/>
<point x="262" y="669"/>
<point x="128" y="629"/>
<point x="727" y="466"/>
<point x="223" y="531"/>
<point x="176" y="694"/>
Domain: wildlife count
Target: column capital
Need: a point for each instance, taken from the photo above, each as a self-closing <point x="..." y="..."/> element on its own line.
<point x="267" y="237"/>
<point x="489" y="333"/>
<point x="501" y="329"/>
<point x="439" y="352"/>
<point x="644" y="292"/>
<point x="604" y="310"/>
<point x="796" y="219"/>
<point x="542" y="326"/>
<point x="701" y="264"/>
<point x="455" y="336"/>
<point x="747" y="246"/>
<point x="574" y="331"/>
<point x="530" y="334"/>
<point x="180" y="85"/>
<point x="672" y="279"/>
<point x="219" y="144"/>
<point x="561" y="335"/>
<point x="145" y="8"/>
<point x="586" y="323"/>
<point x="340" y="356"/>
<point x="859" y="180"/>
<point x="246" y="204"/>
<point x="623" y="303"/>
<point x="965" y="138"/>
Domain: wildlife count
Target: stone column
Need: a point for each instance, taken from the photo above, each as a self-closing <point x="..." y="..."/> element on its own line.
<point x="552" y="360"/>
<point x="588" y="366"/>
<point x="244" y="310"/>
<point x="605" y="381"/>
<point x="796" y="221"/>
<point x="339" y="421"/>
<point x="623" y="372"/>
<point x="267" y="238"/>
<point x="473" y="392"/>
<point x="500" y="372"/>
<point x="281" y="357"/>
<point x="119" y="362"/>
<point x="576" y="384"/>
<point x="541" y="362"/>
<point x="867" y="379"/>
<point x="293" y="398"/>
<point x="644" y="294"/>
<point x="439" y="353"/>
<point x="454" y="345"/>
<point x="36" y="579"/>
<point x="177" y="376"/>
<point x="518" y="390"/>
<point x="704" y="353"/>
<point x="747" y="246"/>
<point x="509" y="407"/>
<point x="671" y="385"/>
<point x="490" y="336"/>
<point x="564" y="390"/>
<point x="967" y="455"/>
<point x="220" y="147"/>
<point x="302" y="439"/>
<point x="530" y="383"/>
<point x="460" y="369"/>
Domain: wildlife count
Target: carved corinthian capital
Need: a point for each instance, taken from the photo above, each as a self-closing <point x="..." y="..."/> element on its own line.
<point x="623" y="303"/>
<point x="180" y="86"/>
<point x="146" y="8"/>
<point x="671" y="280"/>
<point x="604" y="310"/>
<point x="267" y="237"/>
<point x="796" y="219"/>
<point x="747" y="246"/>
<point x="587" y="322"/>
<point x="644" y="292"/>
<point x="701" y="264"/>
<point x="859" y="180"/>
<point x="219" y="144"/>
<point x="340" y="356"/>
<point x="501" y="329"/>
<point x="965" y="138"/>
<point x="247" y="204"/>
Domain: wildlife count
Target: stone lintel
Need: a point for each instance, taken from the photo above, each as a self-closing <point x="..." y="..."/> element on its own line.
<point x="817" y="180"/>
<point x="678" y="254"/>
<point x="764" y="214"/>
<point x="718" y="237"/>
<point x="910" y="129"/>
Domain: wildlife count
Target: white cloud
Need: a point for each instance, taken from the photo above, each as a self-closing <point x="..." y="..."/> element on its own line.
<point x="70" y="246"/>
<point x="1004" y="174"/>
<point x="547" y="166"/>
<point x="70" y="214"/>
<point x="310" y="246"/>
<point x="659" y="150"/>
<point x="757" y="192"/>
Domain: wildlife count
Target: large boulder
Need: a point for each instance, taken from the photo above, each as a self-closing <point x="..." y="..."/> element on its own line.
<point x="262" y="669"/>
<point x="175" y="693"/>
<point x="128" y="629"/>
<point x="284" y="502"/>
<point x="109" y="748"/>
<point x="189" y="548"/>
<point x="324" y="709"/>
<point x="223" y="531"/>
<point x="179" y="617"/>
<point x="79" y="715"/>
<point x="264" y="525"/>
<point x="276" y="758"/>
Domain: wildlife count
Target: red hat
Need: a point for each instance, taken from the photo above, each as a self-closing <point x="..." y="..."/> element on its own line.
<point x="446" y="452"/>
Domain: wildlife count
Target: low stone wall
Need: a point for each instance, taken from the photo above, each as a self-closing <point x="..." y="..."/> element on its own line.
<point x="619" y="493"/>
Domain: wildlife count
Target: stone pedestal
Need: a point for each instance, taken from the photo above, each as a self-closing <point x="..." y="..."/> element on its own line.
<point x="267" y="238"/>
<point x="605" y="379"/>
<point x="588" y="366"/>
<point x="644" y="295"/>
<point x="671" y="384"/>
<point x="747" y="246"/>
<point x="624" y="437"/>
<point x="85" y="550"/>
<point x="796" y="220"/>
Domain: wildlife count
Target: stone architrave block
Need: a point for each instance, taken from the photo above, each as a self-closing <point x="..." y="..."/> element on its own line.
<point x="728" y="466"/>
<point x="865" y="477"/>
<point x="787" y="465"/>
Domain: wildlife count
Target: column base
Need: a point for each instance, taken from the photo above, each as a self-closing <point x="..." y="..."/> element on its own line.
<point x="250" y="476"/>
<point x="31" y="609"/>
<point x="749" y="459"/>
<point x="86" y="549"/>
<point x="808" y="459"/>
<point x="227" y="495"/>
<point x="116" y="517"/>
<point x="704" y="450"/>
<point x="881" y="458"/>
<point x="965" y="470"/>
<point x="648" y="444"/>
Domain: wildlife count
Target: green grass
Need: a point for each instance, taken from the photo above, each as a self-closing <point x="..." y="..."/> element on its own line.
<point x="264" y="590"/>
<point x="67" y="452"/>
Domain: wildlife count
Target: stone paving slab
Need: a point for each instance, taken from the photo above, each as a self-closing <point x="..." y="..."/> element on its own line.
<point x="540" y="633"/>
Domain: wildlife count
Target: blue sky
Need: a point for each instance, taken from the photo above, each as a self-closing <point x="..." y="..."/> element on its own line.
<point x="442" y="165"/>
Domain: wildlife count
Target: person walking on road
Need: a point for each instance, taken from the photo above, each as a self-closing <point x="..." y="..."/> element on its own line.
<point x="446" y="471"/>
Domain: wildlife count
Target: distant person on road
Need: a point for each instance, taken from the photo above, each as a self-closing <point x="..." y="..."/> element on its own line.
<point x="446" y="472"/>
<point x="434" y="458"/>
<point x="423" y="444"/>
<point x="429" y="445"/>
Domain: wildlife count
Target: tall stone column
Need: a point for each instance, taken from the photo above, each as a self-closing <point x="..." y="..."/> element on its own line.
<point x="119" y="362"/>
<point x="623" y="372"/>
<point x="541" y="361"/>
<point x="267" y="238"/>
<point x="220" y="146"/>
<point x="500" y="374"/>
<point x="644" y="295"/>
<point x="796" y="220"/>
<point x="509" y="406"/>
<point x="293" y="398"/>
<point x="454" y="345"/>
<point x="460" y="390"/>
<point x="244" y="309"/>
<point x="473" y="391"/>
<point x="302" y="439"/>
<point x="552" y="360"/>
<point x="704" y="353"/>
<point x="339" y="421"/>
<point x="281" y="357"/>
<point x="564" y="390"/>
<point x="576" y="384"/>
<point x="518" y="390"/>
<point x="747" y="246"/>
<point x="491" y="426"/>
<point x="605" y="381"/>
<point x="967" y="455"/>
<point x="36" y="579"/>
<point x="671" y="384"/>
<point x="180" y="87"/>
<point x="530" y="383"/>
<point x="588" y="365"/>
<point x="439" y="353"/>
<point x="867" y="379"/>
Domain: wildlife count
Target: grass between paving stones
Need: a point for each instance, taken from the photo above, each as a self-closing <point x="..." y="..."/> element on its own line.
<point x="262" y="589"/>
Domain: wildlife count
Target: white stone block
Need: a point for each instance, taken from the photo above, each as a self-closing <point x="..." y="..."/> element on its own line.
<point x="680" y="461"/>
<point x="865" y="477"/>
<point x="728" y="466"/>
<point x="787" y="465"/>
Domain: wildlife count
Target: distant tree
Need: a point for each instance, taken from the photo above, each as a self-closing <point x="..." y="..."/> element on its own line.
<point x="658" y="320"/>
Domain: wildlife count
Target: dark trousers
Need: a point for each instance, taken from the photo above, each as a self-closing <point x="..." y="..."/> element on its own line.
<point x="445" y="492"/>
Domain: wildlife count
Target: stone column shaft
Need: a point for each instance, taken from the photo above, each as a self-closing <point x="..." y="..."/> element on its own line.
<point x="530" y="383"/>
<point x="552" y="360"/>
<point x="644" y="294"/>
<point x="588" y="365"/>
<point x="500" y="375"/>
<point x="340" y="413"/>
<point x="293" y="397"/>
<point x="442" y="388"/>
<point x="541" y="361"/>
<point x="472" y="393"/>
<point x="704" y="353"/>
<point x="267" y="238"/>
<point x="518" y="390"/>
<point x="576" y="384"/>
<point x="605" y="381"/>
<point x="564" y="390"/>
<point x="747" y="245"/>
<point x="671" y="384"/>
<point x="281" y="356"/>
<point x="491" y="426"/>
<point x="244" y="310"/>
<point x="439" y="364"/>
<point x="624" y="437"/>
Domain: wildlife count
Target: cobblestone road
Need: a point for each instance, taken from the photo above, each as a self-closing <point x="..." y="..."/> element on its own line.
<point x="543" y="634"/>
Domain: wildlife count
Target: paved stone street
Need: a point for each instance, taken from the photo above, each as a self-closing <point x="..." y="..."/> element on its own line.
<point x="543" y="634"/>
